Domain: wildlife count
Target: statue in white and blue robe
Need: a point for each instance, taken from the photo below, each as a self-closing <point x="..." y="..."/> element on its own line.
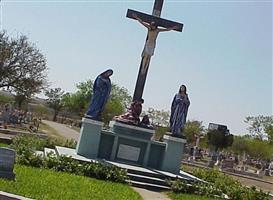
<point x="101" y="92"/>
<point x="179" y="111"/>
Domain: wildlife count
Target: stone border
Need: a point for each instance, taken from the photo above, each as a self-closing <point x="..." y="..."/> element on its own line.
<point x="112" y="123"/>
<point x="91" y="121"/>
<point x="9" y="196"/>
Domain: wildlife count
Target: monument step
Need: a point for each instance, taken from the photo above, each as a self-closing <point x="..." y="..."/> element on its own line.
<point x="132" y="169"/>
<point x="147" y="179"/>
<point x="149" y="186"/>
<point x="39" y="153"/>
<point x="152" y="172"/>
<point x="49" y="151"/>
<point x="64" y="151"/>
<point x="146" y="173"/>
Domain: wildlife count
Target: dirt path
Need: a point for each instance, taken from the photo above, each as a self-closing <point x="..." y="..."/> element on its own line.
<point x="63" y="130"/>
<point x="151" y="195"/>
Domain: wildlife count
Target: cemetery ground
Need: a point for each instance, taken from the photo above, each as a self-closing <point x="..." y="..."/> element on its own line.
<point x="48" y="184"/>
<point x="40" y="183"/>
<point x="243" y="180"/>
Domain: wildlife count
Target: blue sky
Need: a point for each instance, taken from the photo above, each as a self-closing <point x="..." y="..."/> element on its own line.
<point x="223" y="55"/>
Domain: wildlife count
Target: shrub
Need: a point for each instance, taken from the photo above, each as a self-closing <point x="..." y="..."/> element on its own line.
<point x="33" y="142"/>
<point x="70" y="165"/>
<point x="217" y="185"/>
<point x="26" y="145"/>
<point x="198" y="188"/>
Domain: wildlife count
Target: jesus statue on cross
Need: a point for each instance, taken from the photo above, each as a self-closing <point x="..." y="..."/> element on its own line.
<point x="149" y="47"/>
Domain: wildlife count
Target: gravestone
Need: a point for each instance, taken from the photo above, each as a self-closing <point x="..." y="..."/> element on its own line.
<point x="228" y="165"/>
<point x="7" y="160"/>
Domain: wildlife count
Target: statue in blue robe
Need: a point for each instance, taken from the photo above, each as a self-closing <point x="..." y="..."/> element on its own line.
<point x="179" y="111"/>
<point x="101" y="92"/>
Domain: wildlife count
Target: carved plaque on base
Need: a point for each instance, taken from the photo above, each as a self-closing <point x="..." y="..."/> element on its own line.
<point x="128" y="152"/>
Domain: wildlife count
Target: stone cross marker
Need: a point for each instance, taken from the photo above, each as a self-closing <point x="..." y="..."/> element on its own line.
<point x="148" y="20"/>
<point x="7" y="160"/>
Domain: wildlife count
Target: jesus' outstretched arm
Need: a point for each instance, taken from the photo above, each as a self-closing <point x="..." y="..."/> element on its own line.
<point x="166" y="29"/>
<point x="140" y="21"/>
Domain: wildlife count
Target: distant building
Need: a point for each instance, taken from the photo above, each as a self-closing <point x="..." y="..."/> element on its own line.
<point x="219" y="127"/>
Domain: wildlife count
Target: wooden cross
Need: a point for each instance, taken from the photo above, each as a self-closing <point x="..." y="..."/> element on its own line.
<point x="160" y="22"/>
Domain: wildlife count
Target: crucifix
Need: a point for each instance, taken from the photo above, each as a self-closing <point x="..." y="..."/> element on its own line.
<point x="152" y="23"/>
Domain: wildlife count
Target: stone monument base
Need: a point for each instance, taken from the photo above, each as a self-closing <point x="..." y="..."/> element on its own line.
<point x="130" y="145"/>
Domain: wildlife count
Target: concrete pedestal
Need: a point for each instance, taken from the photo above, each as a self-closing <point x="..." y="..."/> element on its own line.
<point x="133" y="145"/>
<point x="88" y="144"/>
<point x="173" y="153"/>
<point x="130" y="145"/>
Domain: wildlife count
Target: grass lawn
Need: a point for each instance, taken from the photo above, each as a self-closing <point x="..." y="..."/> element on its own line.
<point x="175" y="196"/>
<point x="3" y="145"/>
<point x="47" y="184"/>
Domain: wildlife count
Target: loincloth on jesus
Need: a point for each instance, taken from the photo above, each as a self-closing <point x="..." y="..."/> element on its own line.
<point x="149" y="49"/>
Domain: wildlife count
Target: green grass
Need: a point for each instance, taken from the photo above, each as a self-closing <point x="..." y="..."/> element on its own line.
<point x="175" y="196"/>
<point x="3" y="145"/>
<point x="47" y="184"/>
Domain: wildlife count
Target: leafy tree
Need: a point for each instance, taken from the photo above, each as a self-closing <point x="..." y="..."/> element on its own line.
<point x="259" y="126"/>
<point x="204" y="141"/>
<point x="113" y="108"/>
<point x="79" y="101"/>
<point x="158" y="118"/>
<point x="118" y="102"/>
<point x="85" y="91"/>
<point x="259" y="149"/>
<point x="192" y="129"/>
<point x="239" y="144"/>
<point x="41" y="110"/>
<point x="20" y="99"/>
<point x="74" y="103"/>
<point x="121" y="94"/>
<point x="22" y="66"/>
<point x="54" y="100"/>
<point x="256" y="148"/>
<point x="219" y="139"/>
<point x="269" y="131"/>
